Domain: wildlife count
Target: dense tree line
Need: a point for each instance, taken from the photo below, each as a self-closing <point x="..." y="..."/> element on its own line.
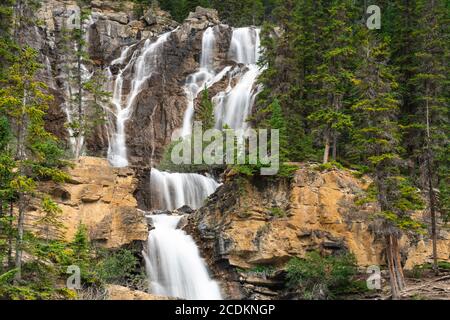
<point x="233" y="12"/>
<point x="373" y="100"/>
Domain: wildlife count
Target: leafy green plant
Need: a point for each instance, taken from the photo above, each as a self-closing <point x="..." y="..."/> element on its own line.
<point x="330" y="166"/>
<point x="277" y="212"/>
<point x="322" y="277"/>
<point x="118" y="267"/>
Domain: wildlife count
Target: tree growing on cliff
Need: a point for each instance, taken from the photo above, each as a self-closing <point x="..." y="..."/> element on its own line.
<point x="51" y="219"/>
<point x="205" y="112"/>
<point x="6" y="41"/>
<point x="73" y="49"/>
<point x="331" y="79"/>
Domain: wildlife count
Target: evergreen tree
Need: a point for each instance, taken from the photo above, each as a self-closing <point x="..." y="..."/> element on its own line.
<point x="6" y="42"/>
<point x="51" y="218"/>
<point x="277" y="121"/>
<point x="287" y="54"/>
<point x="36" y="155"/>
<point x="331" y="80"/>
<point x="431" y="96"/>
<point x="205" y="112"/>
<point x="378" y="140"/>
<point x="73" y="49"/>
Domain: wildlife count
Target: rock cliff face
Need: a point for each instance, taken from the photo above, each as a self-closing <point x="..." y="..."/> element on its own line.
<point x="159" y="108"/>
<point x="268" y="222"/>
<point x="112" y="26"/>
<point x="101" y="198"/>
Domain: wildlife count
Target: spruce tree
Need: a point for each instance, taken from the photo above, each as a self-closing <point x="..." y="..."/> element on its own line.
<point x="331" y="80"/>
<point x="377" y="137"/>
<point x="430" y="83"/>
<point x="36" y="155"/>
<point x="205" y="112"/>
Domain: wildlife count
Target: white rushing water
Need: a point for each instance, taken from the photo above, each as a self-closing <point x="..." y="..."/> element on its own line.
<point x="233" y="106"/>
<point x="144" y="66"/>
<point x="174" y="190"/>
<point x="205" y="77"/>
<point x="173" y="262"/>
<point x="174" y="265"/>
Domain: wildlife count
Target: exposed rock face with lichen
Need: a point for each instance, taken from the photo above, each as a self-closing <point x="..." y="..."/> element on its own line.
<point x="99" y="197"/>
<point x="270" y="221"/>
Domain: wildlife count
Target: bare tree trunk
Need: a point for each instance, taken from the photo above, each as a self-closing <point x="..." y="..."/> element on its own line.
<point x="433" y="218"/>
<point x="326" y="152"/>
<point x="10" y="235"/>
<point x="334" y="151"/>
<point x="19" y="239"/>
<point x="394" y="265"/>
<point x="431" y="196"/>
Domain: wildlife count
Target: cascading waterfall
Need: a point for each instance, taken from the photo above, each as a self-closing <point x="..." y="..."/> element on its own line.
<point x="144" y="66"/>
<point x="233" y="106"/>
<point x="174" y="264"/>
<point x="204" y="77"/>
<point x="172" y="254"/>
<point x="173" y="190"/>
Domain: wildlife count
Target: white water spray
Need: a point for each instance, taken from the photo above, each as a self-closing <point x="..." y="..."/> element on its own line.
<point x="173" y="190"/>
<point x="233" y="106"/>
<point x="174" y="265"/>
<point x="204" y="78"/>
<point x="144" y="66"/>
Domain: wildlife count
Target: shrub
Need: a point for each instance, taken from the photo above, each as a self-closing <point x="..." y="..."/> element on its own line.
<point x="277" y="212"/>
<point x="118" y="267"/>
<point x="322" y="277"/>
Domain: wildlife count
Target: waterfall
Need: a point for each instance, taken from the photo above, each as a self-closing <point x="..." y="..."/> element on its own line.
<point x="144" y="66"/>
<point x="245" y="45"/>
<point x="173" y="190"/>
<point x="204" y="77"/>
<point x="174" y="264"/>
<point x="233" y="106"/>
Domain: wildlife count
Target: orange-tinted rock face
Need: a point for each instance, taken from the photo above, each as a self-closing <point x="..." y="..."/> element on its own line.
<point x="99" y="197"/>
<point x="269" y="223"/>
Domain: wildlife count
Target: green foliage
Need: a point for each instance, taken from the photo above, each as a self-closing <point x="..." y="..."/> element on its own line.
<point x="260" y="270"/>
<point x="277" y="212"/>
<point x="420" y="271"/>
<point x="42" y="277"/>
<point x="233" y="12"/>
<point x="5" y="133"/>
<point x="118" y="267"/>
<point x="80" y="243"/>
<point x="322" y="277"/>
<point x="205" y="113"/>
<point x="330" y="166"/>
<point x="51" y="218"/>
